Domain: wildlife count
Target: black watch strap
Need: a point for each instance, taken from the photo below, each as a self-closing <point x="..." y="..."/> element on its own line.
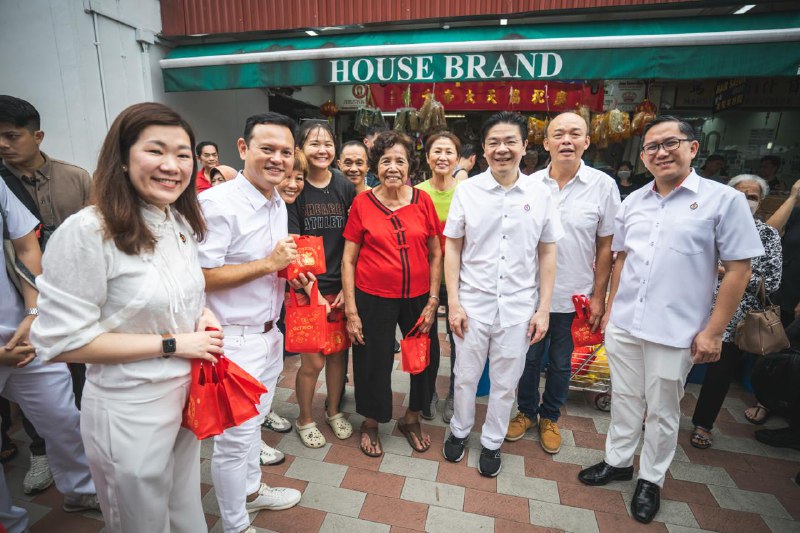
<point x="168" y="345"/>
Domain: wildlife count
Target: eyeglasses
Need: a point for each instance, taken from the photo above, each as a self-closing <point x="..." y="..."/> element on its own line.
<point x="493" y="144"/>
<point x="670" y="145"/>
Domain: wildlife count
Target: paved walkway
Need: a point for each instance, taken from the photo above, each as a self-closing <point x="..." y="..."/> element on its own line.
<point x="737" y="486"/>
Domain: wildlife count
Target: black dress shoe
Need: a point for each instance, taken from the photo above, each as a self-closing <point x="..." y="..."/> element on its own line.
<point x="603" y="473"/>
<point x="780" y="438"/>
<point x="646" y="501"/>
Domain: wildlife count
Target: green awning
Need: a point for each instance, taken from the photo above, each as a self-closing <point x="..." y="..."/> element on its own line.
<point x="682" y="48"/>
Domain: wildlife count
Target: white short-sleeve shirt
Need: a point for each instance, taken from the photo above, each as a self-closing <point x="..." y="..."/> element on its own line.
<point x="502" y="229"/>
<point x="587" y="206"/>
<point x="20" y="223"/>
<point x="673" y="245"/>
<point x="243" y="226"/>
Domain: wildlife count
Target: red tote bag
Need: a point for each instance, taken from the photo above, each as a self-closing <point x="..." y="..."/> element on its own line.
<point x="415" y="349"/>
<point x="582" y="334"/>
<point x="336" y="338"/>
<point x="306" y="325"/>
<point x="242" y="390"/>
<point x="310" y="258"/>
<point x="206" y="412"/>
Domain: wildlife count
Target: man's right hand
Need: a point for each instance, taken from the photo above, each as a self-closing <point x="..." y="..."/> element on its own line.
<point x="458" y="320"/>
<point x="284" y="253"/>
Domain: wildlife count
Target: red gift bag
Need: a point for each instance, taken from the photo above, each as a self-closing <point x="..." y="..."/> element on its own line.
<point x="242" y="390"/>
<point x="336" y="337"/>
<point x="310" y="258"/>
<point x="306" y="325"/>
<point x="582" y="334"/>
<point x="416" y="350"/>
<point x="206" y="412"/>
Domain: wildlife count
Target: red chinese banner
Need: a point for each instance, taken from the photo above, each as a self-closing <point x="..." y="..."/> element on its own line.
<point x="492" y="96"/>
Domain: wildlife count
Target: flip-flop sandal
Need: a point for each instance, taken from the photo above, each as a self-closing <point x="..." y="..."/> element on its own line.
<point x="758" y="419"/>
<point x="8" y="452"/>
<point x="699" y="440"/>
<point x="412" y="429"/>
<point x="310" y="435"/>
<point x="340" y="426"/>
<point x="374" y="440"/>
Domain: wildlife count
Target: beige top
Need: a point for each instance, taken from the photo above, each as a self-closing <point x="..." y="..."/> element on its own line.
<point x="60" y="189"/>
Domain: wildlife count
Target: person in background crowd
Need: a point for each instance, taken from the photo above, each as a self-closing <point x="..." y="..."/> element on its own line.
<point x="625" y="180"/>
<point x="135" y="315"/>
<point x="587" y="201"/>
<point x="391" y="273"/>
<point x="51" y="190"/>
<point x="714" y="169"/>
<point x="354" y="164"/>
<point x="321" y="210"/>
<point x="442" y="152"/>
<point x="466" y="162"/>
<point x="245" y="246"/>
<point x="369" y="137"/>
<point x="529" y="161"/>
<point x="220" y="174"/>
<point x="669" y="238"/>
<point x="768" y="169"/>
<point x="765" y="269"/>
<point x="208" y="154"/>
<point x="500" y="263"/>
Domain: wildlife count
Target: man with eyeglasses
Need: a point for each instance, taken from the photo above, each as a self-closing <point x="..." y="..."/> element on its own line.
<point x="669" y="236"/>
<point x="500" y="262"/>
<point x="587" y="201"/>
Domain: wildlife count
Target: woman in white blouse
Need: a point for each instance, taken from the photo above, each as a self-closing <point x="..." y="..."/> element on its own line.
<point x="122" y="291"/>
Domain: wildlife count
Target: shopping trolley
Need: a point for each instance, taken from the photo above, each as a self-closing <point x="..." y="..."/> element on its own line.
<point x="590" y="373"/>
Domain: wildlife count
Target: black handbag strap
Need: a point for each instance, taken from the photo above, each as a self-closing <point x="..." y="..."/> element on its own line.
<point x="15" y="186"/>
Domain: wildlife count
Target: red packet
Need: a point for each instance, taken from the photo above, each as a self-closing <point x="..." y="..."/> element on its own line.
<point x="310" y="258"/>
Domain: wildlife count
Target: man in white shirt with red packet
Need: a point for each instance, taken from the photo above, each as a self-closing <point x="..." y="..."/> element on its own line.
<point x="669" y="236"/>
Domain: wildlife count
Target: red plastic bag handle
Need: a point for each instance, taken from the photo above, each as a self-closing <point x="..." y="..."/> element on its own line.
<point x="313" y="299"/>
<point x="415" y="328"/>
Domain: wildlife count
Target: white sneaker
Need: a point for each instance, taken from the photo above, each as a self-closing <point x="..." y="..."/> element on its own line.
<point x="274" y="499"/>
<point x="276" y="423"/>
<point x="270" y="456"/>
<point x="74" y="503"/>
<point x="38" y="477"/>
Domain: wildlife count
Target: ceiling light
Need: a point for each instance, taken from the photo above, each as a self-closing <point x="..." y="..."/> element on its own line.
<point x="503" y="22"/>
<point x="744" y="9"/>
<point x="311" y="33"/>
<point x="445" y="26"/>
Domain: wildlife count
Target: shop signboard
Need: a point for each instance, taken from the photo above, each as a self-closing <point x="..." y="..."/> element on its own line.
<point x="492" y="96"/>
<point x="351" y="97"/>
<point x="624" y="95"/>
<point x="729" y="94"/>
<point x="695" y="94"/>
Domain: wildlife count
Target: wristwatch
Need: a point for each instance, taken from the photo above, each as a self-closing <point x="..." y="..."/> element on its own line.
<point x="168" y="345"/>
<point x="32" y="311"/>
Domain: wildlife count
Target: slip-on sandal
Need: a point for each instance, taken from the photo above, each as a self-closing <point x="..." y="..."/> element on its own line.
<point x="410" y="431"/>
<point x="758" y="419"/>
<point x="374" y="439"/>
<point x="310" y="435"/>
<point x="340" y="426"/>
<point x="699" y="440"/>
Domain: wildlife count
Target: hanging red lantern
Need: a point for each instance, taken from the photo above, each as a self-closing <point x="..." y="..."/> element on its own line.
<point x="329" y="109"/>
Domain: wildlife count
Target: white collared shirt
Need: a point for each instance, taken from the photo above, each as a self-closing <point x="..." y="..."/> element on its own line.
<point x="502" y="229"/>
<point x="243" y="226"/>
<point x="587" y="206"/>
<point x="673" y="244"/>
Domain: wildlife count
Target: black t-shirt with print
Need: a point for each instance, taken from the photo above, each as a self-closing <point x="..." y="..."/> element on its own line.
<point x="323" y="213"/>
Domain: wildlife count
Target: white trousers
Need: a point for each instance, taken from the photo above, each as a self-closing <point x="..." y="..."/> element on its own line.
<point x="13" y="518"/>
<point x="650" y="377"/>
<point x="145" y="465"/>
<point x="235" y="466"/>
<point x="506" y="348"/>
<point x="44" y="392"/>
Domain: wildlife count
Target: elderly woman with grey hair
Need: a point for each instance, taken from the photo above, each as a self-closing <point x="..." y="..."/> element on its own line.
<point x="767" y="268"/>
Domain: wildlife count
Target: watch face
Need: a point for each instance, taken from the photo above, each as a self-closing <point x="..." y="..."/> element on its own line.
<point x="168" y="345"/>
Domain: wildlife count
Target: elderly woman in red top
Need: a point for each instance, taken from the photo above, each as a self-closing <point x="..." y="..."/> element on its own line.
<point x="391" y="271"/>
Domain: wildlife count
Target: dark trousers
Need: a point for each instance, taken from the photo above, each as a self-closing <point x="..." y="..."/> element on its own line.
<point x="715" y="386"/>
<point x="556" y="387"/>
<point x="37" y="445"/>
<point x="374" y="360"/>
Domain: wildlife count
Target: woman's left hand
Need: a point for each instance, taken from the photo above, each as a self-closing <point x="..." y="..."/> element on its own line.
<point x="428" y="315"/>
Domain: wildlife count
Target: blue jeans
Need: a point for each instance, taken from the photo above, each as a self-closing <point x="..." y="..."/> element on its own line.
<point x="556" y="386"/>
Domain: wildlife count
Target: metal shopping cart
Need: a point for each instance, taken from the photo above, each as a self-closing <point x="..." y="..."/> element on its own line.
<point x="590" y="373"/>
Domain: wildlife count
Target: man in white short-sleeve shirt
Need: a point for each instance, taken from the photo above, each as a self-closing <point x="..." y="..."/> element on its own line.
<point x="500" y="258"/>
<point x="246" y="244"/>
<point x="587" y="201"/>
<point x="669" y="236"/>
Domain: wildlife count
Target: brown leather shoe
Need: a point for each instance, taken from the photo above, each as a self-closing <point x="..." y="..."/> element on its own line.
<point x="549" y="435"/>
<point x="518" y="426"/>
